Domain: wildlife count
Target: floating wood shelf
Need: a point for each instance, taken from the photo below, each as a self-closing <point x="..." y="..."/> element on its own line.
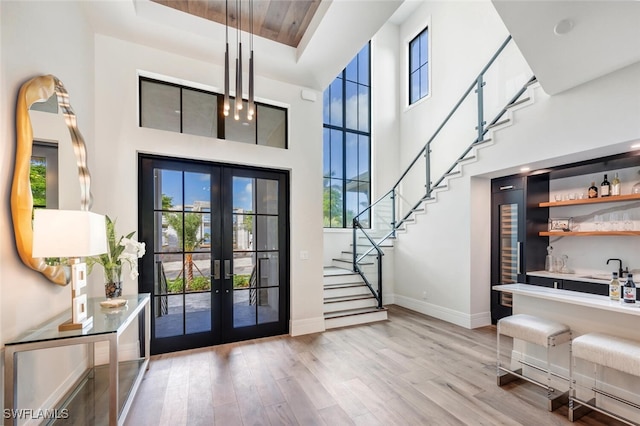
<point x="611" y="199"/>
<point x="587" y="233"/>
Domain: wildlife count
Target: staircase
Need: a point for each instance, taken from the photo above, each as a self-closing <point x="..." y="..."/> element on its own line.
<point x="359" y="269"/>
<point x="348" y="300"/>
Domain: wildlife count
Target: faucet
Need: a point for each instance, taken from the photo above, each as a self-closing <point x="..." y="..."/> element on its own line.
<point x="620" y="271"/>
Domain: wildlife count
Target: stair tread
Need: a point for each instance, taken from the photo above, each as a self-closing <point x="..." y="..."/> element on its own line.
<point x="351" y="261"/>
<point x="519" y="102"/>
<point x="499" y="123"/>
<point x="350" y="312"/>
<point x="348" y="298"/>
<point x="332" y="271"/>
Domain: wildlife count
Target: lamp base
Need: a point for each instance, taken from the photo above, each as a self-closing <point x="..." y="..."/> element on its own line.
<point x="69" y="325"/>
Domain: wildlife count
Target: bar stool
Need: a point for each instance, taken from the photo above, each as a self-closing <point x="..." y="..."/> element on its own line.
<point x="607" y="351"/>
<point x="539" y="331"/>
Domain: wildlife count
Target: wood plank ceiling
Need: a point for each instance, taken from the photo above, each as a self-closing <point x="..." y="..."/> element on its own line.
<point x="283" y="21"/>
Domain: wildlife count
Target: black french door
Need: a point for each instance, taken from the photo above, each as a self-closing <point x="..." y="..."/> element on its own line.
<point x="217" y="257"/>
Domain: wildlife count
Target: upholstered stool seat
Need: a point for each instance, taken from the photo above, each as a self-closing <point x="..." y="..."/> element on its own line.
<point x="607" y="351"/>
<point x="539" y="331"/>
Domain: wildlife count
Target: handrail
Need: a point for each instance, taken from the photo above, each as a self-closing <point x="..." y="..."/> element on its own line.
<point x="482" y="129"/>
<point x="356" y="268"/>
<point x="445" y="121"/>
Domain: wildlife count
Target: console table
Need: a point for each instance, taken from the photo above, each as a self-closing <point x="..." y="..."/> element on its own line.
<point x="108" y="325"/>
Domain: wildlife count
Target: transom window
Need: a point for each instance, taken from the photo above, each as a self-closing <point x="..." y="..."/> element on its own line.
<point x="419" y="67"/>
<point x="177" y="108"/>
<point x="347" y="144"/>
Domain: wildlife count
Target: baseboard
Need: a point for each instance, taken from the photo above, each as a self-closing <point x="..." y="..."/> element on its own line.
<point x="306" y="326"/>
<point x="445" y="314"/>
<point x="60" y="392"/>
<point x="482" y="319"/>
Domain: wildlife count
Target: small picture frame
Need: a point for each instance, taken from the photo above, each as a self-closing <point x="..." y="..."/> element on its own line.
<point x="559" y="224"/>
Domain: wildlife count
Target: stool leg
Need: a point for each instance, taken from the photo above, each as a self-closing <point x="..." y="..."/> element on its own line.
<point x="555" y="400"/>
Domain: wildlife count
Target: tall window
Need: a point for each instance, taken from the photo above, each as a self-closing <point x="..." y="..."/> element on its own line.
<point x="347" y="144"/>
<point x="419" y="67"/>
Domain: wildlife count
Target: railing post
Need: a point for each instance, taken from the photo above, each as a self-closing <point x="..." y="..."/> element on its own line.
<point x="427" y="159"/>
<point x="379" y="281"/>
<point x="480" y="92"/>
<point x="355" y="249"/>
<point x="393" y="211"/>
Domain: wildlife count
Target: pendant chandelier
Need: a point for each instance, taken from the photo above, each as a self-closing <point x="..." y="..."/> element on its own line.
<point x="238" y="104"/>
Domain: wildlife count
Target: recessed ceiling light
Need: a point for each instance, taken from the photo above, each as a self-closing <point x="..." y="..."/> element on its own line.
<point x="563" y="27"/>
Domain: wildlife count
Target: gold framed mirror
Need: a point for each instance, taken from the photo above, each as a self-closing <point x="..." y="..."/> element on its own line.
<point x="40" y="89"/>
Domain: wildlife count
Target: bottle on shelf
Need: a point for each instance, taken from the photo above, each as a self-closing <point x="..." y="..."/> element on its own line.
<point x="593" y="190"/>
<point x="614" y="287"/>
<point x="629" y="290"/>
<point x="615" y="185"/>
<point x="605" y="187"/>
<point x="549" y="263"/>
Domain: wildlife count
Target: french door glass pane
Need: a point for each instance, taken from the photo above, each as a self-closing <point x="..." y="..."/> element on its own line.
<point x="168" y="189"/>
<point x="197" y="192"/>
<point x="266" y="196"/>
<point x="198" y="312"/>
<point x="169" y="318"/>
<point x="266" y="230"/>
<point x="244" y="313"/>
<point x="168" y="267"/>
<point x="244" y="265"/>
<point x="242" y="195"/>
<point x="267" y="301"/>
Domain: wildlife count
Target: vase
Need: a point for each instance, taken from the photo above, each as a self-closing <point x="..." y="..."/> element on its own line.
<point x="113" y="281"/>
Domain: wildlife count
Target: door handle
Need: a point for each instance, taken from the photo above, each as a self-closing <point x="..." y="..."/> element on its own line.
<point x="518" y="254"/>
<point x="216" y="269"/>
<point x="228" y="274"/>
<point x="504" y="188"/>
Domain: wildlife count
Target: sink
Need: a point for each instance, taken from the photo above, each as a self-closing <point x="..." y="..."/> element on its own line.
<point x="603" y="277"/>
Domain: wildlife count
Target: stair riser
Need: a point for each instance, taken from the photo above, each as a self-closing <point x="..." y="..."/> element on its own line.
<point x="342" y="279"/>
<point x="346" y="291"/>
<point x="350" y="304"/>
<point x="355" y="319"/>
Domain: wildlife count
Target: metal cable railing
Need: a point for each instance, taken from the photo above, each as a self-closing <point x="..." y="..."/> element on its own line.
<point x="399" y="217"/>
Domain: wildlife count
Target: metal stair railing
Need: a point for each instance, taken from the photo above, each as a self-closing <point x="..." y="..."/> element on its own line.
<point x="394" y="195"/>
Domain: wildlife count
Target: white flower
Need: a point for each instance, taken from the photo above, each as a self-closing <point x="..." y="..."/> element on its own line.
<point x="133" y="246"/>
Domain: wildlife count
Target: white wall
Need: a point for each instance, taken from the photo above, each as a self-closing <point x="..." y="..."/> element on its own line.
<point x="447" y="253"/>
<point x="119" y="140"/>
<point x="34" y="43"/>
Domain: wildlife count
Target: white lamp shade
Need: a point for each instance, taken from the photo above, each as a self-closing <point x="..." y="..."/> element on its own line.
<point x="68" y="233"/>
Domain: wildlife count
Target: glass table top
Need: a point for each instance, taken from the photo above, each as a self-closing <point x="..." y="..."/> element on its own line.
<point x="105" y="321"/>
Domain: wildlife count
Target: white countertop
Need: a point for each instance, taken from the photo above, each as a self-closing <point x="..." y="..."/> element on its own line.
<point x="598" y="278"/>
<point x="571" y="297"/>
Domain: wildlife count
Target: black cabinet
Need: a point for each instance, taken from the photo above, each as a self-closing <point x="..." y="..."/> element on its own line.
<point x="516" y="247"/>
<point x="573" y="285"/>
<point x="586" y="287"/>
<point x="544" y="282"/>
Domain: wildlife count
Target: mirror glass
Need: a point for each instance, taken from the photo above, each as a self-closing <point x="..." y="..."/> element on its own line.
<point x="50" y="167"/>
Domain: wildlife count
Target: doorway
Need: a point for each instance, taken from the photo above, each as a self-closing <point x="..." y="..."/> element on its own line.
<point x="217" y="257"/>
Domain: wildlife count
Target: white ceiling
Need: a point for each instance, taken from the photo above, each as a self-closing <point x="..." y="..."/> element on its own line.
<point x="337" y="32"/>
<point x="605" y="37"/>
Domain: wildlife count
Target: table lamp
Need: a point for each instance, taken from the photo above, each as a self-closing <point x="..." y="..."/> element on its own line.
<point x="71" y="234"/>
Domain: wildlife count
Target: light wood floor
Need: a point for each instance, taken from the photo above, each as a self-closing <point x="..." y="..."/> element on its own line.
<point x="410" y="370"/>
